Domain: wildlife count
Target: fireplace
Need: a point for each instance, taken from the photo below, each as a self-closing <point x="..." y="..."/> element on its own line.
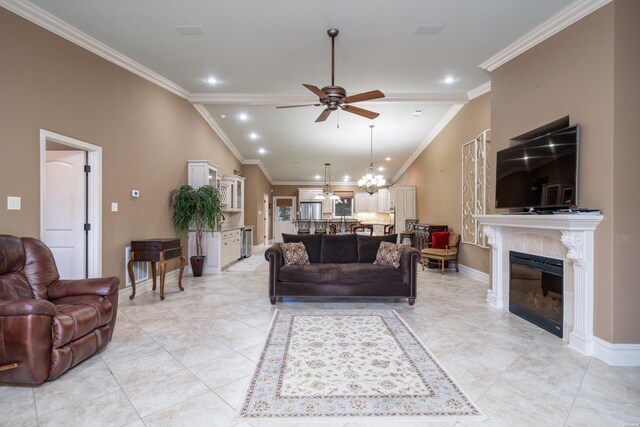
<point x="536" y="290"/>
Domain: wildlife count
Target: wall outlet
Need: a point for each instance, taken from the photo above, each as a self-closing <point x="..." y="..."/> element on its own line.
<point x="114" y="207"/>
<point x="14" y="203"/>
<point x="135" y="193"/>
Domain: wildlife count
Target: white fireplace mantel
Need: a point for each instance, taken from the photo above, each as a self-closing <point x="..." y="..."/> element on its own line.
<point x="576" y="233"/>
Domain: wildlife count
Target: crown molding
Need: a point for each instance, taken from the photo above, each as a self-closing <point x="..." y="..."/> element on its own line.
<point x="44" y="19"/>
<point x="432" y="135"/>
<point x="262" y="167"/>
<point x="282" y="99"/>
<point x="480" y="90"/>
<point x="218" y="130"/>
<point x="313" y="183"/>
<point x="561" y="20"/>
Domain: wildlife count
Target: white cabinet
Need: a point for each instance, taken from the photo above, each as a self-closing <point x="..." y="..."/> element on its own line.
<point x="366" y="202"/>
<point x="327" y="206"/>
<point x="232" y="193"/>
<point x="309" y="194"/>
<point x="404" y="199"/>
<point x="202" y="172"/>
<point x="383" y="200"/>
<point x="230" y="247"/>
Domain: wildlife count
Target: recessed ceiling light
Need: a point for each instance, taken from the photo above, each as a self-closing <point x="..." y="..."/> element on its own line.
<point x="346" y="178"/>
<point x="428" y="29"/>
<point x="190" y="30"/>
<point x="222" y="116"/>
<point x="449" y="79"/>
<point x="317" y="176"/>
<point x="388" y="159"/>
<point x="416" y="113"/>
<point x="261" y="150"/>
<point x="381" y="168"/>
<point x="212" y="80"/>
<point x="253" y="135"/>
<point x="243" y="117"/>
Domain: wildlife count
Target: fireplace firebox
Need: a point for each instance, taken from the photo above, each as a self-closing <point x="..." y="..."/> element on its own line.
<point x="536" y="290"/>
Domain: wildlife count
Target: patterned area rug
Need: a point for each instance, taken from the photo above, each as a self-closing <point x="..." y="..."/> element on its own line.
<point x="248" y="264"/>
<point x="349" y="364"/>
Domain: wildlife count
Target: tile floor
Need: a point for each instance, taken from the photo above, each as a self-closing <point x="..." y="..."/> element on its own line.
<point x="186" y="361"/>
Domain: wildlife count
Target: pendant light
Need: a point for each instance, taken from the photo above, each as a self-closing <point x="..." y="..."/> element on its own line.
<point x="327" y="190"/>
<point x="370" y="182"/>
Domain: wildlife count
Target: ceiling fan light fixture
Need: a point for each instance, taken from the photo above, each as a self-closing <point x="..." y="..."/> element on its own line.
<point x="371" y="182"/>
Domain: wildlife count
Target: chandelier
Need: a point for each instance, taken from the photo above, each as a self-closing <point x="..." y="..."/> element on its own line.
<point x="327" y="190"/>
<point x="370" y="182"/>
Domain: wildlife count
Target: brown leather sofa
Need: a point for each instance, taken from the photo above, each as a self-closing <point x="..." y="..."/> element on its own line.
<point x="341" y="266"/>
<point x="48" y="325"/>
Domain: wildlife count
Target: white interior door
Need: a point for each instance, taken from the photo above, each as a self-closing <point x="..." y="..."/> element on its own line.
<point x="65" y="211"/>
<point x="283" y="216"/>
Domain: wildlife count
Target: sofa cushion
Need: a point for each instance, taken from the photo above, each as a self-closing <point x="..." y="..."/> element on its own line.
<point x="312" y="274"/>
<point x="389" y="254"/>
<point x="78" y="316"/>
<point x="312" y="242"/>
<point x="294" y="253"/>
<point x="356" y="274"/>
<point x="368" y="246"/>
<point x="339" y="248"/>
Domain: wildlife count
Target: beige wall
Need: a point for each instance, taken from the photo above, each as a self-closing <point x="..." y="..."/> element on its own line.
<point x="437" y="175"/>
<point x="256" y="185"/>
<point x="626" y="152"/>
<point x="571" y="73"/>
<point x="147" y="134"/>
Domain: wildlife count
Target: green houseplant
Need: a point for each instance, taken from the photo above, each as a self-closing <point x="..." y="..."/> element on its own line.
<point x="198" y="209"/>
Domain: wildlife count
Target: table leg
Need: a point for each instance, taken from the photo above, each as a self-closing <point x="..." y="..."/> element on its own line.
<point x="132" y="279"/>
<point x="153" y="274"/>
<point x="163" y="270"/>
<point x="183" y="262"/>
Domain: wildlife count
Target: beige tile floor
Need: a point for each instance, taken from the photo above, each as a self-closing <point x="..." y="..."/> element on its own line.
<point x="186" y="361"/>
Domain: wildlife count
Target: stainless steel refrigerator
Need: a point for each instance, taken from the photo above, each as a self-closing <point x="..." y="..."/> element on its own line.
<point x="310" y="210"/>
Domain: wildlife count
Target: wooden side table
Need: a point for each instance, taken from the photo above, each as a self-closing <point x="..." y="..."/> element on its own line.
<point x="155" y="251"/>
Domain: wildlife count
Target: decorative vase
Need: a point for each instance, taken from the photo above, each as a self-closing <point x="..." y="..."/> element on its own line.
<point x="197" y="263"/>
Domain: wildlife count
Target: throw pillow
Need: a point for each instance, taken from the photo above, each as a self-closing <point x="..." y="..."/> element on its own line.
<point x="368" y="246"/>
<point x="389" y="254"/>
<point x="295" y="253"/>
<point x="312" y="242"/>
<point x="440" y="239"/>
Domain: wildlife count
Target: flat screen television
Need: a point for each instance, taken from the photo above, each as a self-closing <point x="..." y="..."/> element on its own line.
<point x="540" y="173"/>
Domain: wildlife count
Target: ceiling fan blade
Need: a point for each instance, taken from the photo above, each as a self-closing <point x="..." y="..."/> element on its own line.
<point x="315" y="90"/>
<point x="360" y="111"/>
<point x="366" y="96"/>
<point x="303" y="105"/>
<point x="323" y="116"/>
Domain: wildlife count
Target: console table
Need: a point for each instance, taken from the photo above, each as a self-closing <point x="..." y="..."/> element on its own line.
<point x="155" y="251"/>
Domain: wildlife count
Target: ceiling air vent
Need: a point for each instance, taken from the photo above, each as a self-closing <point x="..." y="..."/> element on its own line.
<point x="428" y="29"/>
<point x="190" y="30"/>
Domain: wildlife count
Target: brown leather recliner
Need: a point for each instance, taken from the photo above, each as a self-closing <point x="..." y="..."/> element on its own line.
<point x="48" y="325"/>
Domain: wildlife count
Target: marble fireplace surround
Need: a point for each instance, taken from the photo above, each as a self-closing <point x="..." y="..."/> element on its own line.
<point x="569" y="237"/>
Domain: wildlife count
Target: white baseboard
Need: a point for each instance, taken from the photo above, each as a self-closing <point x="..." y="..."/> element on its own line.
<point x="616" y="354"/>
<point x="474" y="274"/>
<point x="146" y="285"/>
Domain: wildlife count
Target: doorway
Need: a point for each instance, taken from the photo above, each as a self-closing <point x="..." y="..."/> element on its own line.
<point x="284" y="215"/>
<point x="71" y="204"/>
<point x="265" y="219"/>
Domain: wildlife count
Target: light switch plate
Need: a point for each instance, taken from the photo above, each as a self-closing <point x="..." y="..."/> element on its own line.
<point x="14" y="203"/>
<point x="114" y="207"/>
<point x="135" y="193"/>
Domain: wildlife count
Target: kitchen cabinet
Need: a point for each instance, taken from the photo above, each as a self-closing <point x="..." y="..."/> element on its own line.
<point x="404" y="204"/>
<point x="327" y="206"/>
<point x="366" y="202"/>
<point x="210" y="248"/>
<point x="309" y="194"/>
<point x="231" y="247"/>
<point x="383" y="200"/>
<point x="202" y="172"/>
<point x="232" y="193"/>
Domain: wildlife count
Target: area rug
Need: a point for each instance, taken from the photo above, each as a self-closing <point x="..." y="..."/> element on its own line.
<point x="335" y="364"/>
<point x="248" y="264"/>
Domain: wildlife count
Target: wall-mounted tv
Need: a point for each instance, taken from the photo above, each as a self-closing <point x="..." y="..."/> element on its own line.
<point x="541" y="172"/>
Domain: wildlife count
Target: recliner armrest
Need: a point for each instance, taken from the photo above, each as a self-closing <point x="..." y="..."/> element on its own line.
<point x="66" y="288"/>
<point x="26" y="307"/>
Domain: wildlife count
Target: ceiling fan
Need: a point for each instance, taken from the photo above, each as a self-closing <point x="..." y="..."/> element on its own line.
<point x="334" y="97"/>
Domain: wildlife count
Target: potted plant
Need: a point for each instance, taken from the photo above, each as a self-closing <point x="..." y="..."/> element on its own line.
<point x="197" y="209"/>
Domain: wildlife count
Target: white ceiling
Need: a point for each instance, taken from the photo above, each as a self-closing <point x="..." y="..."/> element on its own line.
<point x="262" y="52"/>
